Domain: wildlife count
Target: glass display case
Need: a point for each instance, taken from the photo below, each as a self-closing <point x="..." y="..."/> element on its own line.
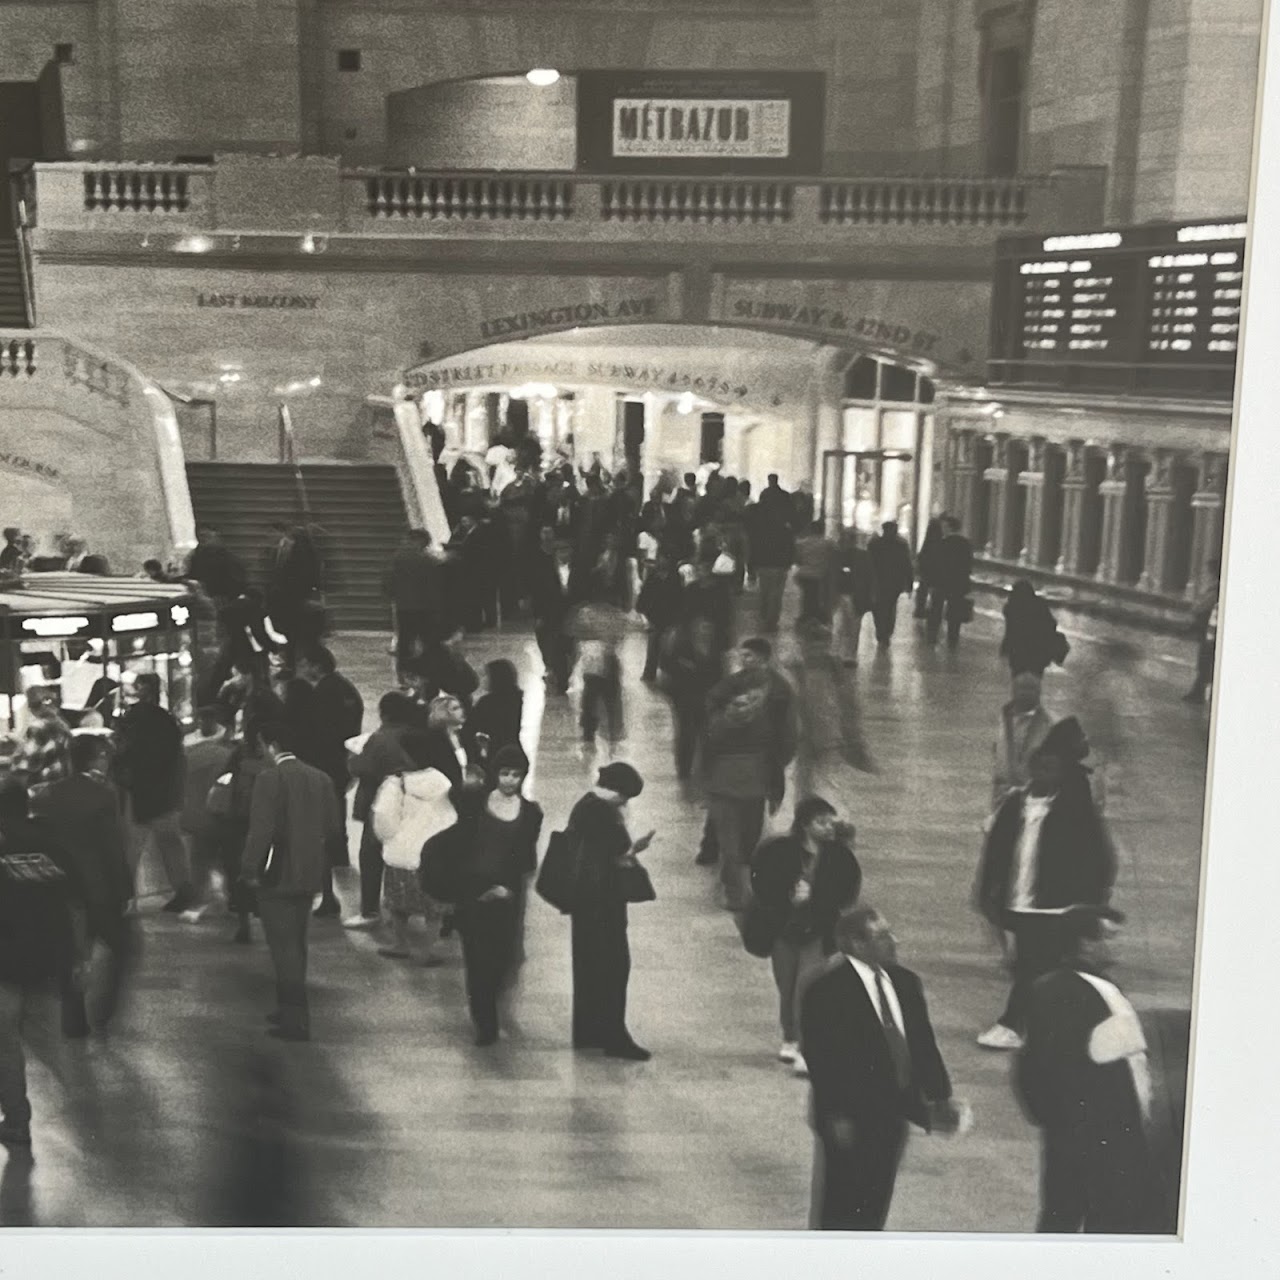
<point x="90" y="638"/>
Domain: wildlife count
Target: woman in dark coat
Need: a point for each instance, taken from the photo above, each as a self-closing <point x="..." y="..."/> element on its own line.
<point x="601" y="956"/>
<point x="498" y="852"/>
<point x="927" y="566"/>
<point x="800" y="883"/>
<point x="1031" y="636"/>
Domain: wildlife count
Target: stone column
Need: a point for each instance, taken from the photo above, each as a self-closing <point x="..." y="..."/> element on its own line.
<point x="1159" y="498"/>
<point x="961" y="479"/>
<point x="1031" y="478"/>
<point x="1207" y="505"/>
<point x="1074" y="485"/>
<point x="997" y="476"/>
<point x="1113" y="491"/>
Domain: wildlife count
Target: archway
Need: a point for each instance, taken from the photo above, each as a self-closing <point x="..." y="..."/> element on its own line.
<point x="682" y="396"/>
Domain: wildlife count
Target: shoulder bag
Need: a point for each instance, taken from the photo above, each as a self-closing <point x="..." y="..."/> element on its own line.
<point x="560" y="872"/>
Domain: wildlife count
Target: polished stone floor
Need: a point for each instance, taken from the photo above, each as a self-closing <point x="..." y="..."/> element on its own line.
<point x="188" y="1115"/>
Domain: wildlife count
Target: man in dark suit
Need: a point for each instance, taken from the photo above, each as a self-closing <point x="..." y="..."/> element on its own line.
<point x="1048" y="850"/>
<point x="954" y="569"/>
<point x="1083" y="1078"/>
<point x="874" y="1066"/>
<point x="894" y="575"/>
<point x="294" y="830"/>
<point x="336" y="713"/>
<point x="83" y="813"/>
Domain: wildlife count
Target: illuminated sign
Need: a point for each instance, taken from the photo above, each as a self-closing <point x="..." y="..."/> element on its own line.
<point x="1097" y="240"/>
<point x="179" y="615"/>
<point x="135" y="622"/>
<point x="755" y="129"/>
<point x="700" y="122"/>
<point x="1217" y="231"/>
<point x="47" y="628"/>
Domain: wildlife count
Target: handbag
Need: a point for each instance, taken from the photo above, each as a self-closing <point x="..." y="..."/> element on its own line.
<point x="761" y="927"/>
<point x="439" y="867"/>
<point x="560" y="872"/>
<point x="635" y="881"/>
<point x="965" y="609"/>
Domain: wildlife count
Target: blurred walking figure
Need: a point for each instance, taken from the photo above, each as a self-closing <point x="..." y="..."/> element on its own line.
<point x="659" y="603"/>
<point x="927" y="567"/>
<point x="496" y="719"/>
<point x="693" y="666"/>
<point x="817" y="572"/>
<point x="382" y="755"/>
<point x="1024" y="723"/>
<point x="294" y="828"/>
<point x="891" y="560"/>
<point x="1083" y="1078"/>
<point x="1205" y="627"/>
<point x="36" y="943"/>
<point x="856" y="595"/>
<point x="599" y="628"/>
<point x="150" y="765"/>
<point x="800" y="884"/>
<point x="1031" y="637"/>
<point x="44" y="750"/>
<point x="1048" y="851"/>
<point x="413" y="584"/>
<point x="750" y="740"/>
<point x="83" y="815"/>
<point x="549" y="593"/>
<point x="207" y="757"/>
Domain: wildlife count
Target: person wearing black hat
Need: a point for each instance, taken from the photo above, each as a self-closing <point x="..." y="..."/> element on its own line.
<point x="601" y="956"/>
<point x="498" y="833"/>
<point x="1083" y="1079"/>
<point x="1048" y="850"/>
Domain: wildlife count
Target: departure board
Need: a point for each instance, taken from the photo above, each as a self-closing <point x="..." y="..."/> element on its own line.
<point x="1193" y="305"/>
<point x="1160" y="298"/>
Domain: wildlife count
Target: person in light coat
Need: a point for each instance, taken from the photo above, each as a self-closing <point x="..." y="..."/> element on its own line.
<point x="409" y="808"/>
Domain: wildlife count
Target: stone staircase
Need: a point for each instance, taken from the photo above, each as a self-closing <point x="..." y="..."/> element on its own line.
<point x="358" y="507"/>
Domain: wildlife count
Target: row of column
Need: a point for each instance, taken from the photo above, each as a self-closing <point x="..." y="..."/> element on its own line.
<point x="1138" y="516"/>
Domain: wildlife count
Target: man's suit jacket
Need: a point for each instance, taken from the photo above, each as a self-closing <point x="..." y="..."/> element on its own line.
<point x="84" y="816"/>
<point x="295" y="825"/>
<point x="844" y="1046"/>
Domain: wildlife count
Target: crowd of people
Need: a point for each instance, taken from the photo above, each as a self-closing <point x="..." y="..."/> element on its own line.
<point x="258" y="801"/>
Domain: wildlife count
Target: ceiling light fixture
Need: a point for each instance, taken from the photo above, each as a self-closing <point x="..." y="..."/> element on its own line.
<point x="542" y="76"/>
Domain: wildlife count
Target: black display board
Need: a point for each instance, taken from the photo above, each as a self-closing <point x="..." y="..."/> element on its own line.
<point x="1155" y="307"/>
<point x="703" y="122"/>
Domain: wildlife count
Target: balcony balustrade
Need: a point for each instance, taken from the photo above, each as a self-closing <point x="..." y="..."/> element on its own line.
<point x="90" y="196"/>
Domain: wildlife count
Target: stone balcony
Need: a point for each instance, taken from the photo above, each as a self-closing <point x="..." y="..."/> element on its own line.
<point x="313" y="198"/>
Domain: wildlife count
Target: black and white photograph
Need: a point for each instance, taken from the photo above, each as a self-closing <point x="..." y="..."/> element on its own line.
<point x="609" y="609"/>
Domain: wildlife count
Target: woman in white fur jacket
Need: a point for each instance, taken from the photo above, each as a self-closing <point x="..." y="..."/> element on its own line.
<point x="409" y="809"/>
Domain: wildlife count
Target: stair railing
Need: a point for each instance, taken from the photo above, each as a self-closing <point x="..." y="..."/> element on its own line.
<point x="21" y="196"/>
<point x="288" y="446"/>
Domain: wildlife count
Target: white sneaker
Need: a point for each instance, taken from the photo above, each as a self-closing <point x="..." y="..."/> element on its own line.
<point x="1000" y="1037"/>
<point x="801" y="1068"/>
<point x="789" y="1052"/>
<point x="361" y="922"/>
<point x="192" y="916"/>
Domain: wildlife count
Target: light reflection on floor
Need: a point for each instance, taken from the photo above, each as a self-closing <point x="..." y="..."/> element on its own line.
<point x="188" y="1115"/>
